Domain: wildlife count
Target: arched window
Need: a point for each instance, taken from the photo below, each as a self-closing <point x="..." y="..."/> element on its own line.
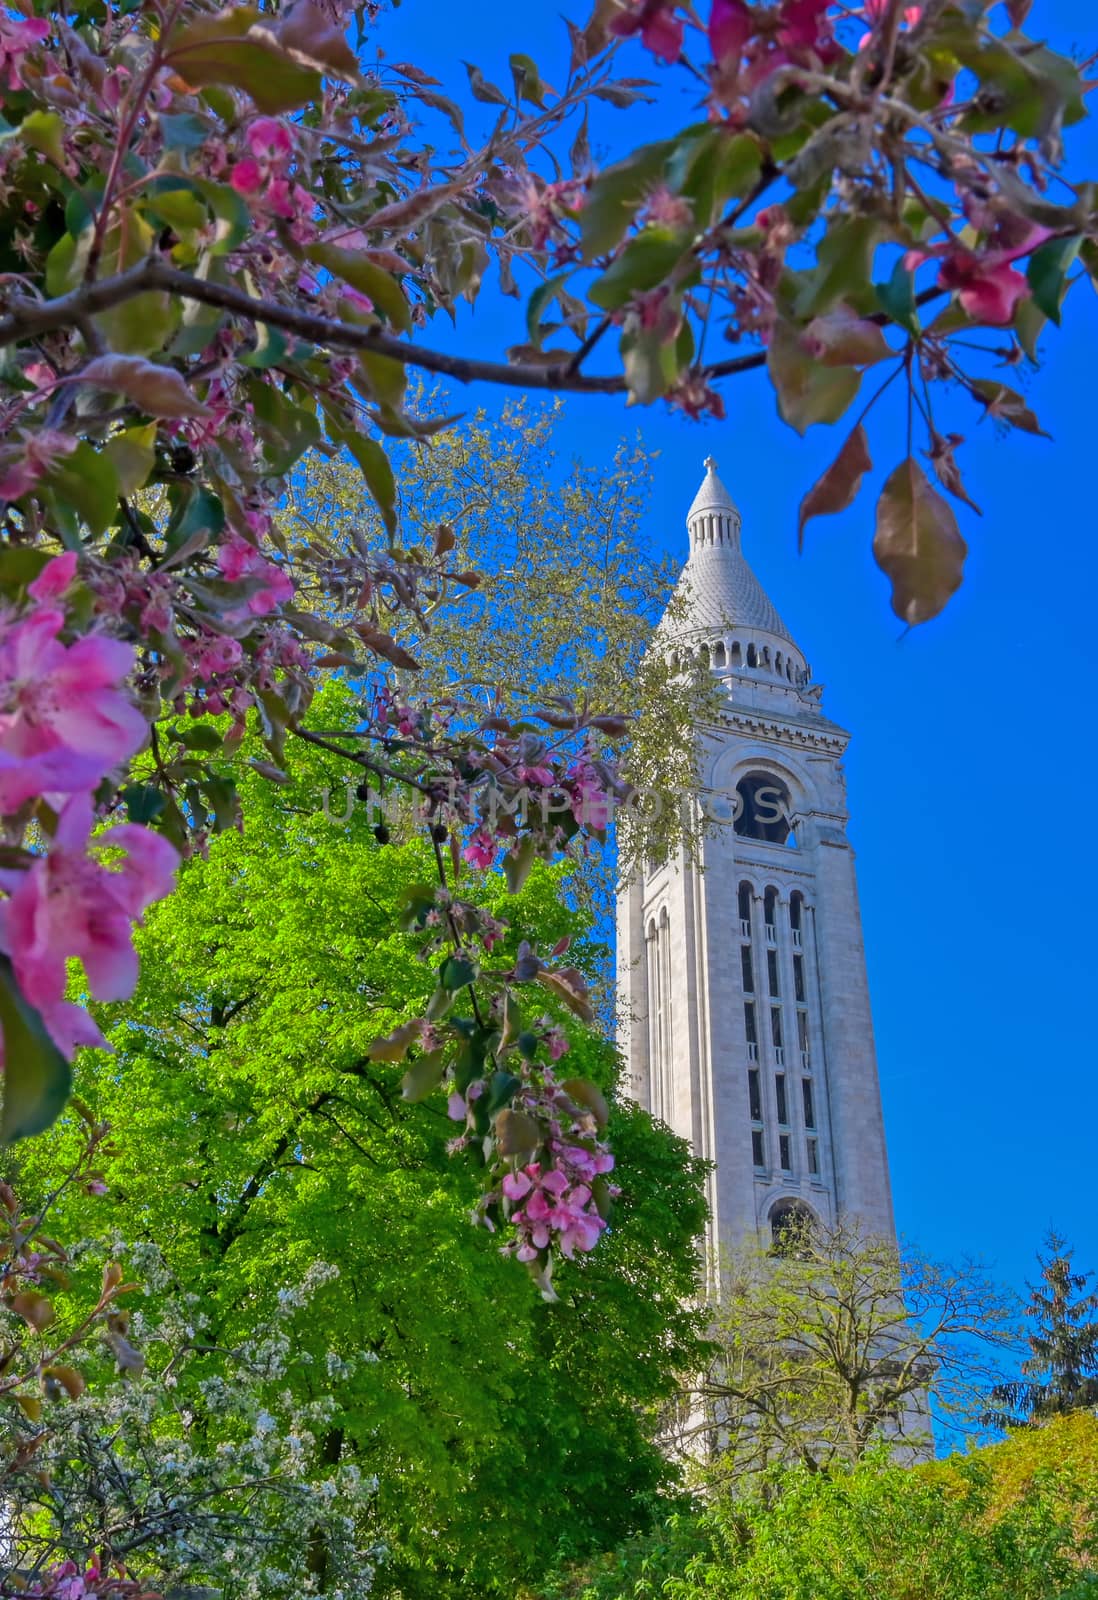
<point x="720" y="657"/>
<point x="737" y="653"/>
<point x="770" y="907"/>
<point x="764" y="808"/>
<point x="766" y="655"/>
<point x="745" y="908"/>
<point x="703" y="654"/>
<point x="778" y="663"/>
<point x="792" y="1225"/>
<point x="752" y="656"/>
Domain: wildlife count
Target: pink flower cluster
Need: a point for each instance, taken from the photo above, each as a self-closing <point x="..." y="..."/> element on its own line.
<point x="239" y="560"/>
<point x="988" y="285"/>
<point x="556" y="1203"/>
<point x="262" y="175"/>
<point x="18" y="36"/>
<point x="66" y="722"/>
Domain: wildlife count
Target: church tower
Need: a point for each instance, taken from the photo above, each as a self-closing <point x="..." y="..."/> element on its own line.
<point x="742" y="985"/>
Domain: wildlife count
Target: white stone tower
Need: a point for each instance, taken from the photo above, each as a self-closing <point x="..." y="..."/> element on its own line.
<point x="742" y="984"/>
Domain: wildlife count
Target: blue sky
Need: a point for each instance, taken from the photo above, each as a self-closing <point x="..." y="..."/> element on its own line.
<point x="973" y="755"/>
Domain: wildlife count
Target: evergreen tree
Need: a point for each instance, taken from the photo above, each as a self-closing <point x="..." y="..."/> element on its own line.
<point x="1061" y="1372"/>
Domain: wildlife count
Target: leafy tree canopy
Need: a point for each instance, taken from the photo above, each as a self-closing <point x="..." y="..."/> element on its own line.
<point x="256" y="1137"/>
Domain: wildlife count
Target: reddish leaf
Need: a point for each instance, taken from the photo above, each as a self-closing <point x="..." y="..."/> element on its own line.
<point x="517" y="1133"/>
<point x="917" y="544"/>
<point x="843" y="339"/>
<point x="839" y="485"/>
<point x="1007" y="405"/>
<point x="35" y="1310"/>
<point x="160" y="391"/>
<point x="383" y="644"/>
<point x="940" y="456"/>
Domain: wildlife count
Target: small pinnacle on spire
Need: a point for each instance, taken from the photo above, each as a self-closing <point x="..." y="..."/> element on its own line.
<point x="710" y="464"/>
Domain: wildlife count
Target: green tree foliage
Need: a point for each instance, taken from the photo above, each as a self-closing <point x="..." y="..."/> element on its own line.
<point x="1014" y="1521"/>
<point x="567" y="595"/>
<point x="257" y="1139"/>
<point x="836" y="1342"/>
<point x="1060" y="1373"/>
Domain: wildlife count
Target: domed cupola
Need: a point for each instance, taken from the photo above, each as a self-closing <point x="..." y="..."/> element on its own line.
<point x="719" y="607"/>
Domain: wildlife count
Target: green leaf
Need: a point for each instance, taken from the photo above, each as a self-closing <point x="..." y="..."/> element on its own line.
<point x="287" y="429"/>
<point x="236" y="48"/>
<point x="233" y="219"/>
<point x="650" y="364"/>
<point x="807" y="391"/>
<point x="37" y="1080"/>
<point x="722" y="164"/>
<point x="178" y="202"/>
<point x="423" y="1076"/>
<point x="132" y="454"/>
<point x="542" y="296"/>
<point x="198" y="518"/>
<point x="528" y="84"/>
<point x="457" y="972"/>
<point x="517" y="1134"/>
<point x="1047" y="271"/>
<point x="917" y="544"/>
<point x="86" y="482"/>
<point x="518" y="862"/>
<point x="843" y="266"/>
<point x="616" y="196"/>
<point x="271" y="345"/>
<point x="184" y="132"/>
<point x="377" y="470"/>
<point x="646" y="261"/>
<point x="144" y="802"/>
<point x="44" y="131"/>
<point x="368" y="278"/>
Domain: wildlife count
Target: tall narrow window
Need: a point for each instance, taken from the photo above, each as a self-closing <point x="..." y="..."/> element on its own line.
<point x="809" y="1106"/>
<point x="782" y="1099"/>
<point x="758" y="1154"/>
<point x="754" y="1095"/>
<point x="749" y="1023"/>
<point x="772" y="974"/>
<point x="655" y="1020"/>
<point x="776" y="1025"/>
<point x="664" y="946"/>
<point x="745" y="910"/>
<point x="784" y="1153"/>
<point x="796" y="919"/>
<point x="802" y="1031"/>
<point x="770" y="908"/>
<point x="814" y="1157"/>
<point x="798" y="979"/>
<point x="747" y="970"/>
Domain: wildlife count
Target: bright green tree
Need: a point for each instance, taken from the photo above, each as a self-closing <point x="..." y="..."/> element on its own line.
<point x="258" y="1138"/>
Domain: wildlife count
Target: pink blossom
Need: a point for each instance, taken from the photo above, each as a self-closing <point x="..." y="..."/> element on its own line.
<point x="481" y="848"/>
<point x="70" y="904"/>
<point x="660" y="30"/>
<point x="22" y="465"/>
<point x="729" y="29"/>
<point x="237" y="559"/>
<point x="988" y="286"/>
<point x="269" y="139"/>
<point x="17" y="37"/>
<point x="54" y="772"/>
<point x="54" y="695"/>
<point x="246" y="176"/>
<point x="54" y="578"/>
<point x="557" y="1042"/>
<point x="455" y="1107"/>
<point x="516" y="1185"/>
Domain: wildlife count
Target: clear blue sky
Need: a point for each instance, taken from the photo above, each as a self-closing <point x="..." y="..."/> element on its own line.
<point x="974" y="737"/>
